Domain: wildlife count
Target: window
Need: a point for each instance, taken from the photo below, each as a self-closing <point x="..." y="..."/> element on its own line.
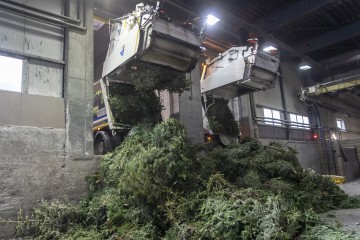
<point x="11" y="74"/>
<point x="340" y="124"/>
<point x="298" y="121"/>
<point x="272" y="117"/>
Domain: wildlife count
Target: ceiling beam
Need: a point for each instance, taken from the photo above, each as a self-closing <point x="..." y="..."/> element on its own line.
<point x="289" y="14"/>
<point x="336" y="24"/>
<point x="230" y="15"/>
<point x="346" y="32"/>
<point x="224" y="11"/>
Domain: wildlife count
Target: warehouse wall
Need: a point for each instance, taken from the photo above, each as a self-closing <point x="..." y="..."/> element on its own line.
<point x="347" y="165"/>
<point x="31" y="110"/>
<point x="46" y="147"/>
<point x="299" y="139"/>
<point x="292" y="81"/>
<point x="352" y="123"/>
<point x="310" y="151"/>
<point x="344" y="105"/>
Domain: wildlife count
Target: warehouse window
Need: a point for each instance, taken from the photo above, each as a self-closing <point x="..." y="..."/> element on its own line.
<point x="298" y="121"/>
<point x="340" y="124"/>
<point x="11" y="74"/>
<point x="272" y="117"/>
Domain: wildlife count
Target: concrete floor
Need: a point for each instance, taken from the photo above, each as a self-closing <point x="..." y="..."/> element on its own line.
<point x="348" y="218"/>
<point x="351" y="188"/>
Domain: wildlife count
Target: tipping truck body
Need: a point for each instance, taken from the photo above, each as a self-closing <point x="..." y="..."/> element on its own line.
<point x="239" y="71"/>
<point x="145" y="35"/>
<point x="236" y="72"/>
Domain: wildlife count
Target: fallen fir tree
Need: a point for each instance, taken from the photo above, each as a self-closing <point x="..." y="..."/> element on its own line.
<point x="158" y="185"/>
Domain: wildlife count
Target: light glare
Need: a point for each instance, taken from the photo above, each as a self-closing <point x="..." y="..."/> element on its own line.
<point x="270" y="49"/>
<point x="211" y="19"/>
<point x="305" y="67"/>
<point x="333" y="136"/>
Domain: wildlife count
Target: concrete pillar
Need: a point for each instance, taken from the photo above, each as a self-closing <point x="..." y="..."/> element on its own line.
<point x="79" y="77"/>
<point x="245" y="117"/>
<point x="186" y="107"/>
<point x="191" y="108"/>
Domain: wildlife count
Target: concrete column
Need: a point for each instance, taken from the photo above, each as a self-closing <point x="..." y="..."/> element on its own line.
<point x="79" y="84"/>
<point x="245" y="117"/>
<point x="186" y="107"/>
<point x="191" y="108"/>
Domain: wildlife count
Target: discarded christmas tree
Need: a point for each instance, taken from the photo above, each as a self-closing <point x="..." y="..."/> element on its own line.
<point x="157" y="185"/>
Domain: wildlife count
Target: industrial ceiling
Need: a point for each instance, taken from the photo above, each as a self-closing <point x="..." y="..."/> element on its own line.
<point x="324" y="32"/>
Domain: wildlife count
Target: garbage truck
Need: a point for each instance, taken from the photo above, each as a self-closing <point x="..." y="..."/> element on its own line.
<point x="238" y="71"/>
<point x="145" y="35"/>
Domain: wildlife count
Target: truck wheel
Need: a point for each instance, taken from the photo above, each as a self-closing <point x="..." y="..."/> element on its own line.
<point x="102" y="143"/>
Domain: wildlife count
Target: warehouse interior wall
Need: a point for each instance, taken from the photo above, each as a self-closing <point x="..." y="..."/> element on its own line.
<point x="46" y="142"/>
<point x="299" y="139"/>
<point x="46" y="139"/>
<point x="348" y="166"/>
<point x="310" y="151"/>
<point x="341" y="107"/>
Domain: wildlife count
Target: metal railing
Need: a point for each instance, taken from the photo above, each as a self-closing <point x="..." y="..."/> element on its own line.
<point x="273" y="121"/>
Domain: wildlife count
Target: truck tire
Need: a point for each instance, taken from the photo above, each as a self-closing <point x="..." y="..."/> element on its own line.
<point x="102" y="143"/>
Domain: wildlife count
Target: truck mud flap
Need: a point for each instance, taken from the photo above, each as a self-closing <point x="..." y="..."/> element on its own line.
<point x="171" y="45"/>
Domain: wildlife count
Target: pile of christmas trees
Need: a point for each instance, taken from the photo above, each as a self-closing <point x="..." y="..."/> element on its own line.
<point x="158" y="185"/>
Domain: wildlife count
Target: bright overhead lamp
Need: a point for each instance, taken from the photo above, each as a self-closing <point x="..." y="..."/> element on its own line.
<point x="211" y="19"/>
<point x="270" y="49"/>
<point x="304" y="66"/>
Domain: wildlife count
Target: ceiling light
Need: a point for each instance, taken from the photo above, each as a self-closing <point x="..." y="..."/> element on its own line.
<point x="211" y="19"/>
<point x="304" y="66"/>
<point x="270" y="49"/>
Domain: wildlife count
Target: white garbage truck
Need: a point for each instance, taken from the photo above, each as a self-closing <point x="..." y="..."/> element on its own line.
<point x="238" y="71"/>
<point x="144" y="35"/>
